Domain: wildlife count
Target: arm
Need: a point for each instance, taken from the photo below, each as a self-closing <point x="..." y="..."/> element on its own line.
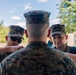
<point x="9" y="49"/>
<point x="3" y="49"/>
<point x="73" y="56"/>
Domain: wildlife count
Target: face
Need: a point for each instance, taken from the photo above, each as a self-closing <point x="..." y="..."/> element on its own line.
<point x="59" y="40"/>
<point x="13" y="40"/>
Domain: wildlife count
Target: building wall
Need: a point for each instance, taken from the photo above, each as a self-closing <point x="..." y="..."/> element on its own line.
<point x="71" y="39"/>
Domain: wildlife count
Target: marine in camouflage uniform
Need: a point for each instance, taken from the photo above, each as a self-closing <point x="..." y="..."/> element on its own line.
<point x="15" y="34"/>
<point x="37" y="58"/>
<point x="58" y="33"/>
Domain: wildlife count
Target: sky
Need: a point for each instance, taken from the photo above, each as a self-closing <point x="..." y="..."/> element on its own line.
<point x="12" y="11"/>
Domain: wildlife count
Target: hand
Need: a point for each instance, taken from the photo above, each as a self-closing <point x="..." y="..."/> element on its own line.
<point x="13" y="48"/>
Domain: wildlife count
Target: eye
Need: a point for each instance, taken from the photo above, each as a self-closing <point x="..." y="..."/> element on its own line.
<point x="60" y="37"/>
<point x="54" y="37"/>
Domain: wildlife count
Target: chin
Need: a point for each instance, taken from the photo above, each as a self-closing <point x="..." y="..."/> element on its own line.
<point x="15" y="45"/>
<point x="58" y="46"/>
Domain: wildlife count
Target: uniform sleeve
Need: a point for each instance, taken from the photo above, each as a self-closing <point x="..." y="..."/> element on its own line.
<point x="2" y="69"/>
<point x="3" y="66"/>
<point x="2" y="56"/>
<point x="70" y="65"/>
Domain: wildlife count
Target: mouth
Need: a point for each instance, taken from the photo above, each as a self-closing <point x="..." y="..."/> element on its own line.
<point x="15" y="44"/>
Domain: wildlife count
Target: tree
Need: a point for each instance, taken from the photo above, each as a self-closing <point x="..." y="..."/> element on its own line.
<point x="67" y="14"/>
<point x="3" y="32"/>
<point x="1" y="23"/>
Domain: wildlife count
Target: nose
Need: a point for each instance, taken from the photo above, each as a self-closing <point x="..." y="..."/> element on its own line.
<point x="16" y="42"/>
<point x="56" y="40"/>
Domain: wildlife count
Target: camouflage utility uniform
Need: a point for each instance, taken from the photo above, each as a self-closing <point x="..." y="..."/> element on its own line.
<point x="58" y="29"/>
<point x="15" y="31"/>
<point x="69" y="49"/>
<point x="37" y="59"/>
<point x="2" y="56"/>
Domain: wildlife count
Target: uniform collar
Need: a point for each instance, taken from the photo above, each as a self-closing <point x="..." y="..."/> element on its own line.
<point x="66" y="49"/>
<point x="38" y="43"/>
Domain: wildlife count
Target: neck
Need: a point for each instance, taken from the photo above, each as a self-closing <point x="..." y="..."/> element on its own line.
<point x="62" y="48"/>
<point x="34" y="40"/>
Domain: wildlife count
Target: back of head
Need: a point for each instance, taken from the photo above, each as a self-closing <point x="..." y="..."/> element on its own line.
<point x="36" y="22"/>
<point x="37" y="59"/>
<point x="37" y="17"/>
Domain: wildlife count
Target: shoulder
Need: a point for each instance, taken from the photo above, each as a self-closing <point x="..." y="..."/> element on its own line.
<point x="54" y="60"/>
<point x="72" y="49"/>
<point x="14" y="56"/>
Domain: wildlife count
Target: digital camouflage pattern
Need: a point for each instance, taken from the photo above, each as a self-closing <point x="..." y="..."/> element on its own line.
<point x="15" y="30"/>
<point x="37" y="58"/>
<point x="58" y="29"/>
<point x="37" y="17"/>
<point x="2" y="56"/>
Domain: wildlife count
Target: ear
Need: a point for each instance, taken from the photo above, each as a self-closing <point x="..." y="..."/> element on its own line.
<point x="49" y="32"/>
<point x="26" y="33"/>
<point x="66" y="37"/>
<point x="6" y="37"/>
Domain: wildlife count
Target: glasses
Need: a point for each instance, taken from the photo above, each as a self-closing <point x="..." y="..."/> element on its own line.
<point x="15" y="38"/>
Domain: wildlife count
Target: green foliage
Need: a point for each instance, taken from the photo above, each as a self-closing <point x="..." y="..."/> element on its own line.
<point x="3" y="33"/>
<point x="67" y="13"/>
<point x="25" y="39"/>
<point x="1" y="23"/>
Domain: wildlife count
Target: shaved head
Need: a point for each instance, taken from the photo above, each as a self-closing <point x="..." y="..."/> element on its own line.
<point x="37" y="30"/>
